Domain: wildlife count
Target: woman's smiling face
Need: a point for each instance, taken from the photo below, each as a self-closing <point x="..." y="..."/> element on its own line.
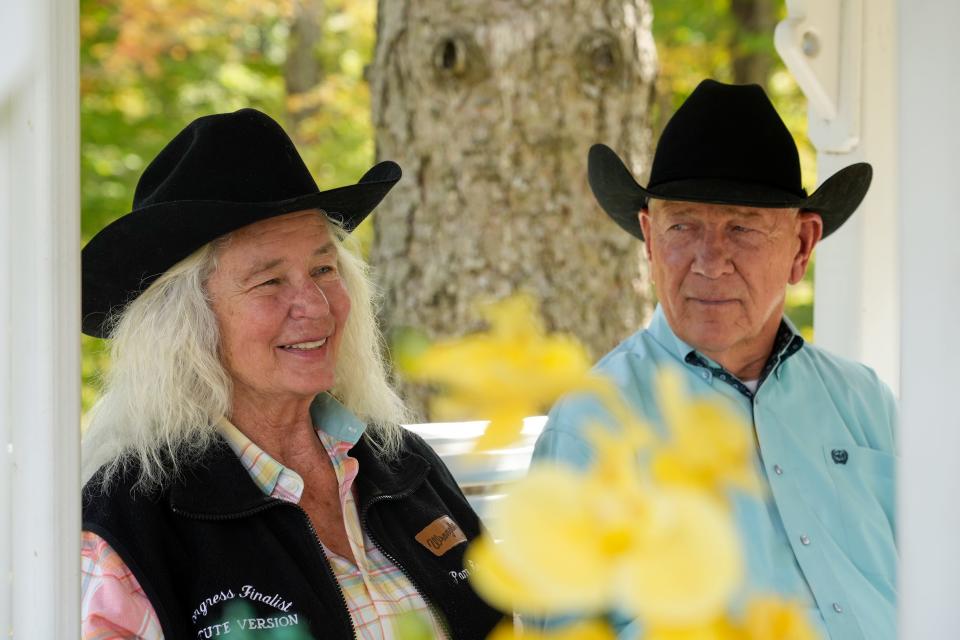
<point x="281" y="307"/>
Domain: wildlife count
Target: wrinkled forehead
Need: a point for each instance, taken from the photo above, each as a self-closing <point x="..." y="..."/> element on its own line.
<point x="268" y="243"/>
<point x="666" y="209"/>
<point x="270" y="229"/>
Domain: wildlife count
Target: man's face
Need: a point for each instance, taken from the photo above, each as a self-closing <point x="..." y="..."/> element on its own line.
<point x="721" y="270"/>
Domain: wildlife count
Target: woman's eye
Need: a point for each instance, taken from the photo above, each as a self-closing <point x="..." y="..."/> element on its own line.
<point x="320" y="271"/>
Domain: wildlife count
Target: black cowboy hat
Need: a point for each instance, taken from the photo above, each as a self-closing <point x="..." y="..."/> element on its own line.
<point x="220" y="173"/>
<point x="726" y="144"/>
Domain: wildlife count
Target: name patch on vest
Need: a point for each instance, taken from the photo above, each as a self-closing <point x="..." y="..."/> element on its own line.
<point x="441" y="535"/>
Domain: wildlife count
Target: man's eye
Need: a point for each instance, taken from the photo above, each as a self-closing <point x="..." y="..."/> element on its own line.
<point x="740" y="229"/>
<point x="270" y="282"/>
<point x="677" y="227"/>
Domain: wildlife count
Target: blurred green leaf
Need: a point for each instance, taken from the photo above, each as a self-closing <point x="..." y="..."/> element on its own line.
<point x="413" y="626"/>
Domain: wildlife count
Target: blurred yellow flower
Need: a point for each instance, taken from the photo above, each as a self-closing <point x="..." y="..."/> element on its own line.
<point x="709" y="446"/>
<point x="604" y="539"/>
<point x="690" y="565"/>
<point x="591" y="630"/>
<point x="719" y="629"/>
<point x="770" y="618"/>
<point x="505" y="374"/>
<point x="766" y="618"/>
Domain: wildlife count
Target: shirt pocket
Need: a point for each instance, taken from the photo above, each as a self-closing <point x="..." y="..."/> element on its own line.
<point x="865" y="479"/>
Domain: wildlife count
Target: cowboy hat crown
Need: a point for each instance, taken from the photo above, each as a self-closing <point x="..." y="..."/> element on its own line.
<point x="726" y="144"/>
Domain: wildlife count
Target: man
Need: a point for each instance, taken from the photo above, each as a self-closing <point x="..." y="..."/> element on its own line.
<point x="726" y="226"/>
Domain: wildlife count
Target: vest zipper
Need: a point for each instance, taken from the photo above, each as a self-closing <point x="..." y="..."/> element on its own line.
<point x="363" y="521"/>
<point x="326" y="563"/>
<point x="274" y="502"/>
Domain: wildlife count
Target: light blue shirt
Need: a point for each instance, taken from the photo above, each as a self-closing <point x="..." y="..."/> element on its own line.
<point x="825" y="434"/>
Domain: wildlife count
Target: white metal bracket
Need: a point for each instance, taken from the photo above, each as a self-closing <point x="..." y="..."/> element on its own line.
<point x="821" y="42"/>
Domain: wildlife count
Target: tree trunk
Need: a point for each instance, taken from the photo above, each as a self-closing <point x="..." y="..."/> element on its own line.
<point x="302" y="72"/>
<point x="754" y="20"/>
<point x="490" y="108"/>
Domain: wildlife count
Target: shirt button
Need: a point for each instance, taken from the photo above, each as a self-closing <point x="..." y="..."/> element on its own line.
<point x="706" y="376"/>
<point x="777" y="469"/>
<point x="804" y="540"/>
<point x="837" y="607"/>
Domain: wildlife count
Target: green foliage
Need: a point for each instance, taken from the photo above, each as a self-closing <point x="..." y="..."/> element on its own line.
<point x="413" y="626"/>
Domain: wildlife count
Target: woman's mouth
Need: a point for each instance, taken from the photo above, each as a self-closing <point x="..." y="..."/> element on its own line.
<point x="304" y="346"/>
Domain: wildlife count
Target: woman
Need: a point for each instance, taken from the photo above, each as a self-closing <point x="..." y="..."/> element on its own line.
<point x="246" y="449"/>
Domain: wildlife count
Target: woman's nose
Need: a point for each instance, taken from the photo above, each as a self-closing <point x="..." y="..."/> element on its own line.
<point x="310" y="301"/>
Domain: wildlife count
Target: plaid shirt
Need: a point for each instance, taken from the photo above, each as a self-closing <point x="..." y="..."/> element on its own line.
<point x="376" y="590"/>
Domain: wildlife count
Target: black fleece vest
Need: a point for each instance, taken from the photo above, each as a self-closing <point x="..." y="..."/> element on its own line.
<point x="216" y="556"/>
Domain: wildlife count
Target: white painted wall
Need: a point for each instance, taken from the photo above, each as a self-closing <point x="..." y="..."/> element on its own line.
<point x="39" y="320"/>
<point x="928" y="102"/>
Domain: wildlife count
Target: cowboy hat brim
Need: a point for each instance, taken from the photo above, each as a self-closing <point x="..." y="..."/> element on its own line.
<point x="127" y="255"/>
<point x="622" y="197"/>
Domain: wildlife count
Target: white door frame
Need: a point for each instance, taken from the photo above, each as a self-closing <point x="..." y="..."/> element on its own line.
<point x="39" y="319"/>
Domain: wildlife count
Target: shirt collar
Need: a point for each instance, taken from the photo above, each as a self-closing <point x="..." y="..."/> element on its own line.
<point x="787" y="343"/>
<point x="336" y="420"/>
<point x="660" y="330"/>
<point x="327" y="415"/>
<point x="264" y="470"/>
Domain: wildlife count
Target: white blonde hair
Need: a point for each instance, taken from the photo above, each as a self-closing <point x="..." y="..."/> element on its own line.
<point x="167" y="388"/>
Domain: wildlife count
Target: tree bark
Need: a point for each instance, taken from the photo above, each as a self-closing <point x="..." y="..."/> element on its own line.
<point x="490" y="108"/>
<point x="754" y="20"/>
<point x="301" y="72"/>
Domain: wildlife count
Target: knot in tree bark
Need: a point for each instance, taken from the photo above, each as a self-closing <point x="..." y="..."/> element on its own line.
<point x="457" y="57"/>
<point x="599" y="56"/>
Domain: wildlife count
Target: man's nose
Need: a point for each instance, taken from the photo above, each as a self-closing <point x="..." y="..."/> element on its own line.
<point x="309" y="301"/>
<point x="712" y="256"/>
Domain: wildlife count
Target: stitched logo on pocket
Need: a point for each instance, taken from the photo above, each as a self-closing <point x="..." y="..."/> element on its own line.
<point x="441" y="535"/>
<point x="839" y="456"/>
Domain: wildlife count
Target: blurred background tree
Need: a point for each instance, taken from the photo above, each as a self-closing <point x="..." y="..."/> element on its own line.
<point x="490" y="108"/>
<point x="148" y="67"/>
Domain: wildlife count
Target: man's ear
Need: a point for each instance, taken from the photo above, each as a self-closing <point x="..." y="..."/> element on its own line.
<point x="644" y="216"/>
<point x="809" y="232"/>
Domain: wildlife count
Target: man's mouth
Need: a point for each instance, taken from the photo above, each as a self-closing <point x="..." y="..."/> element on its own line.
<point x="305" y="346"/>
